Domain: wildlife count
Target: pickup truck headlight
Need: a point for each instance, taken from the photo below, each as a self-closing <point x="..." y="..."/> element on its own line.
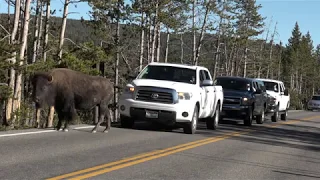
<point x="184" y="95"/>
<point x="244" y="100"/>
<point x="273" y="100"/>
<point x="129" y="89"/>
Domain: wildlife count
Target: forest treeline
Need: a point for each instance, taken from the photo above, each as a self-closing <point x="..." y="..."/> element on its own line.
<point x="121" y="37"/>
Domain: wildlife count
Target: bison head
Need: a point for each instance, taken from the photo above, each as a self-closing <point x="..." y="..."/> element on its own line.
<point x="43" y="89"/>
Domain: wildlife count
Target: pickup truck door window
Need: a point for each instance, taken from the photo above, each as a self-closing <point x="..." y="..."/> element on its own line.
<point x="203" y="91"/>
<point x="282" y="97"/>
<point x="257" y="97"/>
<point x="210" y="93"/>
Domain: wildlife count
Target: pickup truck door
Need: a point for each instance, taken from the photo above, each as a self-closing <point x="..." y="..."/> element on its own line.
<point x="207" y="94"/>
<point x="283" y="98"/>
<point x="258" y="99"/>
<point x="203" y="92"/>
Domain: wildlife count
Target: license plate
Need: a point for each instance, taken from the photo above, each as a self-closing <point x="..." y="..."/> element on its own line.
<point x="151" y="114"/>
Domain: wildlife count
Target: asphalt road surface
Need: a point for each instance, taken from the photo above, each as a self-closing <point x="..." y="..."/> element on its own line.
<point x="281" y="150"/>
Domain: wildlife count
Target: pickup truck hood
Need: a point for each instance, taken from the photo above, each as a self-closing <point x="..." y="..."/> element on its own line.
<point x="235" y="93"/>
<point x="273" y="94"/>
<point x="180" y="87"/>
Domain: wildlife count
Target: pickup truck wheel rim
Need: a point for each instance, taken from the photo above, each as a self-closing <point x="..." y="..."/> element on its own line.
<point x="194" y="122"/>
<point x="216" y="118"/>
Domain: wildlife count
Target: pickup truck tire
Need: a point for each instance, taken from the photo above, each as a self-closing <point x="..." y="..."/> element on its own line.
<point x="191" y="127"/>
<point x="212" y="122"/>
<point x="126" y="122"/>
<point x="260" y="118"/>
<point x="275" y="116"/>
<point x="284" y="115"/>
<point x="248" y="118"/>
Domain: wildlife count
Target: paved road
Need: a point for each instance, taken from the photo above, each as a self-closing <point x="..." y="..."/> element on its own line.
<point x="281" y="150"/>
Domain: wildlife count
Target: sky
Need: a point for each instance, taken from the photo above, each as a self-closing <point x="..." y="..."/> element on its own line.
<point x="285" y="12"/>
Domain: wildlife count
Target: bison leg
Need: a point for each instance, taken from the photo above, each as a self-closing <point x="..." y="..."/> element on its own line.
<point x="70" y="117"/>
<point x="102" y="112"/>
<point x="61" y="118"/>
<point x="108" y="124"/>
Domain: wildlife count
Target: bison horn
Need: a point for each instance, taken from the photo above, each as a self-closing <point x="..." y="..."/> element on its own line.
<point x="50" y="78"/>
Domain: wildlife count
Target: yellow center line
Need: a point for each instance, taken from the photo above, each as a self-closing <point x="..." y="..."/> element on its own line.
<point x="103" y="171"/>
<point x="130" y="159"/>
<point x="105" y="168"/>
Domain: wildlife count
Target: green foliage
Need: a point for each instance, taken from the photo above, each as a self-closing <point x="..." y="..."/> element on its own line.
<point x="5" y="92"/>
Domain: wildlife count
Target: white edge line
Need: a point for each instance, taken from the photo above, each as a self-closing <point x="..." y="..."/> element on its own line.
<point x="39" y="132"/>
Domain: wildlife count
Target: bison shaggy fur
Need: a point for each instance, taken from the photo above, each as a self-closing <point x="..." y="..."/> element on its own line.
<point x="68" y="90"/>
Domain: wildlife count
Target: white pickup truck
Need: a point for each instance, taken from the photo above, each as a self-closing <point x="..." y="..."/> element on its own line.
<point x="175" y="95"/>
<point x="279" y="99"/>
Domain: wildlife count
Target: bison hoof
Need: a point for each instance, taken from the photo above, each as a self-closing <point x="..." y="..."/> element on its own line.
<point x="65" y="130"/>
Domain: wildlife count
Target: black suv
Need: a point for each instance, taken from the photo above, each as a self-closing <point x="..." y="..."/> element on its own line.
<point x="244" y="98"/>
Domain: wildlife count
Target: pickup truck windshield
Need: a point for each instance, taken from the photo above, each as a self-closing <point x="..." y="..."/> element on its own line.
<point x="233" y="84"/>
<point x="169" y="73"/>
<point x="271" y="86"/>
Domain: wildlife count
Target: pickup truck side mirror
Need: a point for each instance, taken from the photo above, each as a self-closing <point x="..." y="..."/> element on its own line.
<point x="206" y="83"/>
<point x="286" y="92"/>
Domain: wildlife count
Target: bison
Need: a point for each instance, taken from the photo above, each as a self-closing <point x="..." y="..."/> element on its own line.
<point x="68" y="90"/>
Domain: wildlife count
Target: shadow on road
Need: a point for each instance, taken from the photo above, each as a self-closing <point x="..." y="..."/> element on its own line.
<point x="298" y="136"/>
<point x="274" y="168"/>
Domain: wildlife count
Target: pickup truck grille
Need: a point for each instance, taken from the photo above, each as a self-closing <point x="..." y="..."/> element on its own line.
<point x="154" y="96"/>
<point x="231" y="100"/>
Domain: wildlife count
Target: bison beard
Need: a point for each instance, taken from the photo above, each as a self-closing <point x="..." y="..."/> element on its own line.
<point x="69" y="90"/>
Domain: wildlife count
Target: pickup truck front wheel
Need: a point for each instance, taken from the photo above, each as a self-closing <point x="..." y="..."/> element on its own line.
<point x="126" y="122"/>
<point x="248" y="118"/>
<point x="284" y="115"/>
<point x="260" y="118"/>
<point x="212" y="122"/>
<point x="191" y="127"/>
<point x="275" y="116"/>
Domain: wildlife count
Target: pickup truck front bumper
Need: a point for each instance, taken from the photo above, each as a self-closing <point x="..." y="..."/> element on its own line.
<point x="271" y="108"/>
<point x="234" y="111"/>
<point x="158" y="112"/>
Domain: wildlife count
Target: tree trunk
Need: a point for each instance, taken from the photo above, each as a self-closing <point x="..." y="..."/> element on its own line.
<point x="13" y="59"/>
<point x="194" y="31"/>
<point x="202" y="34"/>
<point x="17" y="93"/>
<point x="115" y="116"/>
<point x="63" y="28"/>
<point x="245" y="61"/>
<point x="159" y="39"/>
<point x="40" y="30"/>
<point x="181" y="46"/>
<point x="154" y="31"/>
<point x="36" y="26"/>
<point x="141" y="42"/>
<point x="167" y="46"/>
<point x="46" y="32"/>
